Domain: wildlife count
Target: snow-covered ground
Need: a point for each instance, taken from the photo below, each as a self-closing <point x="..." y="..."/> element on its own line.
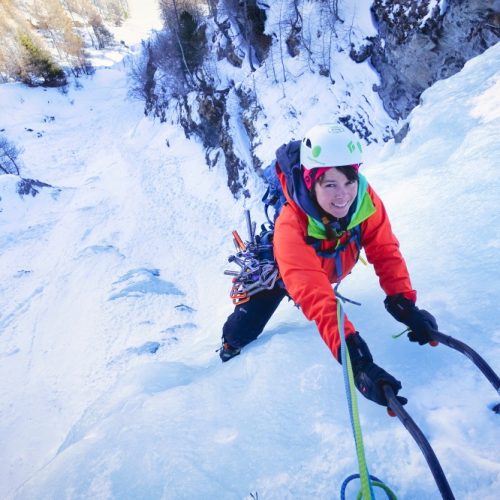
<point x="113" y="297"/>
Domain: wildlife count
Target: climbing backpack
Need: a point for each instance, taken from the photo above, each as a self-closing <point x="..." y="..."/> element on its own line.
<point x="274" y="196"/>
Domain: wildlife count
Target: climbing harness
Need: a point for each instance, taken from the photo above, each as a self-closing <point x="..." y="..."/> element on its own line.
<point x="367" y="481"/>
<point x="351" y="235"/>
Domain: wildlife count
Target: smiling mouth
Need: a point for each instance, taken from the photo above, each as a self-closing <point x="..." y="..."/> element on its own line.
<point x="338" y="205"/>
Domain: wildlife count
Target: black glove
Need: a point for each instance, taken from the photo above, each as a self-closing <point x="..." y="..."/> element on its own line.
<point x="369" y="377"/>
<point x="370" y="380"/>
<point x="420" y="322"/>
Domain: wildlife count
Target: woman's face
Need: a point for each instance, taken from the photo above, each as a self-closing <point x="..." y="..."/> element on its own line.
<point x="335" y="193"/>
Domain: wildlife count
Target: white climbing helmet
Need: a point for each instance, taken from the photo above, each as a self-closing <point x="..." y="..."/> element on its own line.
<point x="330" y="145"/>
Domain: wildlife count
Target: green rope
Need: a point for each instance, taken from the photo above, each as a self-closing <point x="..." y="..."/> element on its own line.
<point x="366" y="489"/>
<point x="383" y="486"/>
<point x="366" y="492"/>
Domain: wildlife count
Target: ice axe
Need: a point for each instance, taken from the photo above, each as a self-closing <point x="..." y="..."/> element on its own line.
<point x="466" y="350"/>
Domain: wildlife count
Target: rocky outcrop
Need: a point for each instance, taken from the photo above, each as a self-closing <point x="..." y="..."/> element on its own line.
<point x="31" y="187"/>
<point x="419" y="43"/>
<point x="207" y="117"/>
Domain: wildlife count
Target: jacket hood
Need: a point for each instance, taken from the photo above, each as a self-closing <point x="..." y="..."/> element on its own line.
<point x="295" y="189"/>
<point x="288" y="158"/>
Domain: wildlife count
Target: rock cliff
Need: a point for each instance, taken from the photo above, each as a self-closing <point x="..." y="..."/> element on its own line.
<point x="419" y="43"/>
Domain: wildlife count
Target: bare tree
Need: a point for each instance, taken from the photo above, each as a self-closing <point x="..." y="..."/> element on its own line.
<point x="176" y="28"/>
<point x="280" y="42"/>
<point x="99" y="35"/>
<point x="115" y="11"/>
<point x="331" y="20"/>
<point x="185" y="27"/>
<point x="9" y="153"/>
<point x="294" y="36"/>
<point x="212" y="8"/>
<point x="28" y="26"/>
<point x="57" y="25"/>
<point x="11" y="54"/>
<point x="142" y="75"/>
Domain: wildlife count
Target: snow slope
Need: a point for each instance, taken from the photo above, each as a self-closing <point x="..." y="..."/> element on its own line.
<point x="113" y="297"/>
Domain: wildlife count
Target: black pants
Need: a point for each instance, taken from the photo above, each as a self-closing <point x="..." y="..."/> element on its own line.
<point x="248" y="320"/>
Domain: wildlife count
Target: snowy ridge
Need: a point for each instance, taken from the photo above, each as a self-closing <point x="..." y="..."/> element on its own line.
<point x="113" y="297"/>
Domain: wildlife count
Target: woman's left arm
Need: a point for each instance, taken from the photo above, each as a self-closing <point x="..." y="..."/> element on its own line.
<point x="382" y="250"/>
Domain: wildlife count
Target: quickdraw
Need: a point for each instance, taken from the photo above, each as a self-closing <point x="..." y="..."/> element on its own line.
<point x="255" y="258"/>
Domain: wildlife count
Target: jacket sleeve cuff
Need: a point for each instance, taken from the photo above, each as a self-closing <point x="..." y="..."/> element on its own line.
<point x="411" y="295"/>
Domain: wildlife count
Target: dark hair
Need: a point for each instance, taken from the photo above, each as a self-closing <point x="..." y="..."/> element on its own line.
<point x="350" y="172"/>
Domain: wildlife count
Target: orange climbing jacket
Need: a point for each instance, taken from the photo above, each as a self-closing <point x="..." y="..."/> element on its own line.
<point x="309" y="263"/>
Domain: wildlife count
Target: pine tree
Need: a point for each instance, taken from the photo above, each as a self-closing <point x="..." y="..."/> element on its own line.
<point x="38" y="67"/>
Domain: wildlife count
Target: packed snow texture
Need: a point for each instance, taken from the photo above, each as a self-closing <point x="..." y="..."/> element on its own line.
<point x="113" y="298"/>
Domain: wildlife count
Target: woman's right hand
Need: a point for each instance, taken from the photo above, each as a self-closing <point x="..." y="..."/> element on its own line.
<point x="370" y="380"/>
<point x="369" y="377"/>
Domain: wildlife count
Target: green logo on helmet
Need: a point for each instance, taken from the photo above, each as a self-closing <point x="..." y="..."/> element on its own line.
<point x="316" y="151"/>
<point x="351" y="147"/>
